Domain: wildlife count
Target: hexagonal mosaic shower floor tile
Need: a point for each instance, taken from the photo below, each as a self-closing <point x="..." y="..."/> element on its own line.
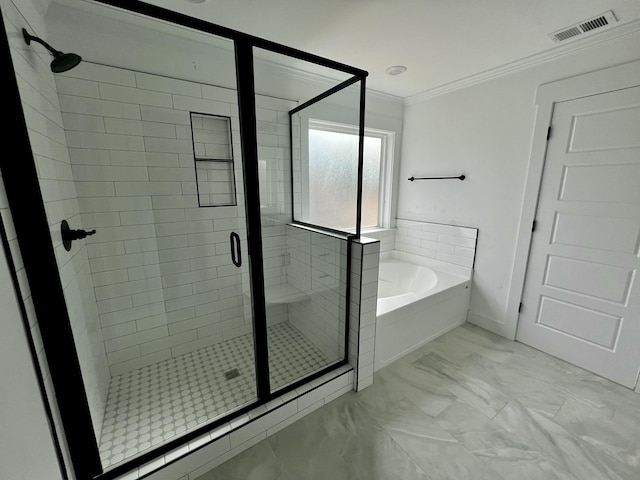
<point x="153" y="404"/>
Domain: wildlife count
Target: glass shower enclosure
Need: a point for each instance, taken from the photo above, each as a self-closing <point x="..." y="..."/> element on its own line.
<point x="206" y="289"/>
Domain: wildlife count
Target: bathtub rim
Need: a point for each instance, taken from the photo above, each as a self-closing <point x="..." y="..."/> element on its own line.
<point x="418" y="268"/>
<point x="432" y="263"/>
<point x="448" y="277"/>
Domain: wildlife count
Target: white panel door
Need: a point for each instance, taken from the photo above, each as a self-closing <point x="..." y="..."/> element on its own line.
<point x="581" y="298"/>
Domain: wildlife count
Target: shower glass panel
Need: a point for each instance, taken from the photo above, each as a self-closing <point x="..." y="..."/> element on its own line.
<point x="304" y="265"/>
<point x="325" y="162"/>
<point x="159" y="296"/>
<point x="177" y="329"/>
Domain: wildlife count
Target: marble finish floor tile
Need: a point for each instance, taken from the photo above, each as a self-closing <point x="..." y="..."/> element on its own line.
<point x="404" y="381"/>
<point x="552" y="440"/>
<point x="517" y="384"/>
<point x="256" y="463"/>
<point x="627" y="413"/>
<point x="424" y="440"/>
<point x="469" y="339"/>
<point x="595" y="392"/>
<point x="342" y="442"/>
<point x="471" y="405"/>
<point x="469" y="389"/>
<point x="507" y="453"/>
<point x="622" y="442"/>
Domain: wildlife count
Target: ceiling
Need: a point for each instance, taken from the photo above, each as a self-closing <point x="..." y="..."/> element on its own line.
<point x="440" y="41"/>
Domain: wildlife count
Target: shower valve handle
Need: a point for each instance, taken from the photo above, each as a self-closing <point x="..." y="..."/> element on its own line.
<point x="69" y="235"/>
<point x="79" y="234"/>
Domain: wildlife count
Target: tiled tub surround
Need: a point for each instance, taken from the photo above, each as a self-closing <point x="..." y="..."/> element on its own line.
<point x="445" y="243"/>
<point x="161" y="268"/>
<point x="411" y="320"/>
<point x="155" y="403"/>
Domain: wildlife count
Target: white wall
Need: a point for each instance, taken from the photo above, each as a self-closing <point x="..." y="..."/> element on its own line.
<point x="26" y="443"/>
<point x="485" y="131"/>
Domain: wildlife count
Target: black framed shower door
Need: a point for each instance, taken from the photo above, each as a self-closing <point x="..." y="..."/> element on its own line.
<point x="31" y="223"/>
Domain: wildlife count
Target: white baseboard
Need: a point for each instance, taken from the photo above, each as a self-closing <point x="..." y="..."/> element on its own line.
<point x="492" y="325"/>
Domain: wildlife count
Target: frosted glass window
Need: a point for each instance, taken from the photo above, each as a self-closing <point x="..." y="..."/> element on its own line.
<point x="333" y="173"/>
<point x="213" y="157"/>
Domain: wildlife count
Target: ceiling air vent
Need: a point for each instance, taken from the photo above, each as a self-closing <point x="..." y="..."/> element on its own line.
<point x="600" y="22"/>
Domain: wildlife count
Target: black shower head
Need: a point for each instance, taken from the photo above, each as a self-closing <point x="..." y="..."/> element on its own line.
<point x="64" y="61"/>
<point x="61" y="61"/>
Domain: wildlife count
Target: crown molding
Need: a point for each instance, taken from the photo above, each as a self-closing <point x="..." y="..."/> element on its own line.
<point x="609" y="35"/>
<point x="384" y="96"/>
<point x="319" y="79"/>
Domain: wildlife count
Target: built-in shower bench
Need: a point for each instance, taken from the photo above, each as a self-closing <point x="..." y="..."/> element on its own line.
<point x="283" y="293"/>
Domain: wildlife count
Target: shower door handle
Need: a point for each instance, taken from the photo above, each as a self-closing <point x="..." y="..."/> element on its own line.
<point x="236" y="252"/>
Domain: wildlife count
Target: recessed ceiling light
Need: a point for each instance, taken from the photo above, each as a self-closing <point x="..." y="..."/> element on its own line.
<point x="396" y="70"/>
<point x="196" y="1"/>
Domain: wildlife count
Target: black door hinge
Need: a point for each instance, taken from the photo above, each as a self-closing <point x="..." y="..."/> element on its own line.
<point x="548" y="133"/>
<point x="520" y="308"/>
<point x="534" y="225"/>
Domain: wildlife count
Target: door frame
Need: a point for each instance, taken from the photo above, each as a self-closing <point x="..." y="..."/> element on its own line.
<point x="619" y="77"/>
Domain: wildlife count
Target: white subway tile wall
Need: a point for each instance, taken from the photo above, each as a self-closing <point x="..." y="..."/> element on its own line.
<point x="447" y="243"/>
<point x="165" y="284"/>
<point x="365" y="259"/>
<point x="47" y="135"/>
<point x="317" y="268"/>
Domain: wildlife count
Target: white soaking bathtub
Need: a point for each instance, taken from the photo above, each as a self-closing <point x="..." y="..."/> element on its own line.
<point x="419" y="299"/>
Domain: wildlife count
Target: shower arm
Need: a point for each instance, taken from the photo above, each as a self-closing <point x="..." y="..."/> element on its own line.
<point x="28" y="38"/>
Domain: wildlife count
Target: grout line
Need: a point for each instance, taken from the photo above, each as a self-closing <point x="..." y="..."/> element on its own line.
<point x="173" y="364"/>
<point x="558" y="411"/>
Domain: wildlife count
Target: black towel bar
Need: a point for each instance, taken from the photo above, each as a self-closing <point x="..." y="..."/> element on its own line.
<point x="460" y="177"/>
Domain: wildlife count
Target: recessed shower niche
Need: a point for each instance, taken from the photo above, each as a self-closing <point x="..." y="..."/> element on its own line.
<point x="213" y="156"/>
